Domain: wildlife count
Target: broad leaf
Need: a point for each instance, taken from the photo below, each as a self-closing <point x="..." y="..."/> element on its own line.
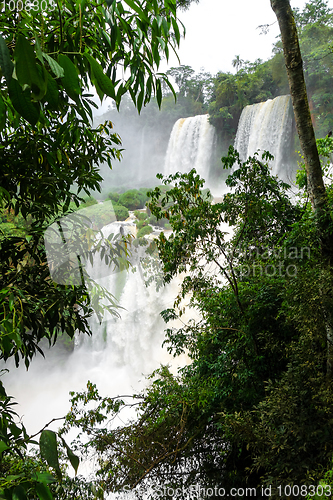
<point x="99" y="77"/>
<point x="45" y="477"/>
<point x="19" y="493"/>
<point x="22" y="103"/>
<point x="3" y="446"/>
<point x="52" y="93"/>
<point x="70" y="79"/>
<point x="74" y="460"/>
<point x="55" y="67"/>
<point x="26" y="68"/>
<point x="2" y="113"/>
<point x="49" y="449"/>
<point x="43" y="492"/>
<point x="6" y="63"/>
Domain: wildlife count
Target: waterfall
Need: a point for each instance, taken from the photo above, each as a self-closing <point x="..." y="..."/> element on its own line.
<point x="267" y="126"/>
<point x="117" y="357"/>
<point x="190" y="146"/>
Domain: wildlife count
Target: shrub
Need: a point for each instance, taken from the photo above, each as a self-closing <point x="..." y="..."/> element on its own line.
<point x="141" y="223"/>
<point x="130" y="200"/>
<point x="157" y="222"/>
<point x="140" y="215"/>
<point x="144" y="231"/>
<point x="142" y="193"/>
<point x="88" y="202"/>
<point x="113" y="196"/>
<point x="121" y="212"/>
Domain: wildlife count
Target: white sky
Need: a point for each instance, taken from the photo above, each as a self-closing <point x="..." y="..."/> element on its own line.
<point x="218" y="30"/>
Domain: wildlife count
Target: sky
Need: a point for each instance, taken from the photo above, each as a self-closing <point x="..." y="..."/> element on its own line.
<point x="218" y="30"/>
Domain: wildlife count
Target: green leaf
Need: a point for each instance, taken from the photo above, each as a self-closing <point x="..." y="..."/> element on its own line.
<point x="45" y="477"/>
<point x="22" y="102"/>
<point x="52" y="93"/>
<point x="138" y="10"/>
<point x="140" y="100"/>
<point x="39" y="52"/>
<point x="6" y="63"/>
<point x="3" y="112"/>
<point x="43" y="492"/>
<point x="19" y="493"/>
<point x="55" y="67"/>
<point x="3" y="446"/>
<point x="99" y="77"/>
<point x="70" y="79"/>
<point x="74" y="460"/>
<point x="176" y="30"/>
<point x="26" y="68"/>
<point x="158" y="92"/>
<point x="49" y="449"/>
<point x="171" y="88"/>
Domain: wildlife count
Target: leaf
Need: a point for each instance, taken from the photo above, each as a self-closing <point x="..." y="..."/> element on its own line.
<point x="74" y="460"/>
<point x="45" y="477"/>
<point x="52" y="93"/>
<point x="43" y="492"/>
<point x="22" y="103"/>
<point x="104" y="83"/>
<point x="176" y="30"/>
<point x="140" y="100"/>
<point x="26" y="68"/>
<point x="39" y="53"/>
<point x="49" y="449"/>
<point x="3" y="112"/>
<point x="6" y="63"/>
<point x="19" y="493"/>
<point x="171" y="88"/>
<point x="138" y="10"/>
<point x="3" y="446"/>
<point x="158" y="92"/>
<point x="70" y="80"/>
<point x="55" y="67"/>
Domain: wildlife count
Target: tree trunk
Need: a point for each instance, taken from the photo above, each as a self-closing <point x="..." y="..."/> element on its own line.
<point x="294" y="65"/>
<point x="316" y="188"/>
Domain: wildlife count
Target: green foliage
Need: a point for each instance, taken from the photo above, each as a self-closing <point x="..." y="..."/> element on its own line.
<point x="140" y="215"/>
<point x="133" y="199"/>
<point x="21" y="474"/>
<point x="121" y="212"/>
<point x="325" y="150"/>
<point x="49" y="68"/>
<point x="113" y="196"/>
<point x="252" y="83"/>
<point x="258" y="81"/>
<point x="141" y="223"/>
<point x="145" y="230"/>
<point x="88" y="202"/>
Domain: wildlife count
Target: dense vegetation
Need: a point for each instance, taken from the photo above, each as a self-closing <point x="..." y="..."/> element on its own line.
<point x="254" y="406"/>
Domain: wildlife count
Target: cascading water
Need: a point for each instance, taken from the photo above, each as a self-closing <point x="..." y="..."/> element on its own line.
<point x="121" y="352"/>
<point x="190" y="146"/>
<point x="267" y="126"/>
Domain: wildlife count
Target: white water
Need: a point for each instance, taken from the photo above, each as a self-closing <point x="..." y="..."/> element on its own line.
<point x="267" y="126"/>
<point x="190" y="146"/>
<point x="117" y="358"/>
